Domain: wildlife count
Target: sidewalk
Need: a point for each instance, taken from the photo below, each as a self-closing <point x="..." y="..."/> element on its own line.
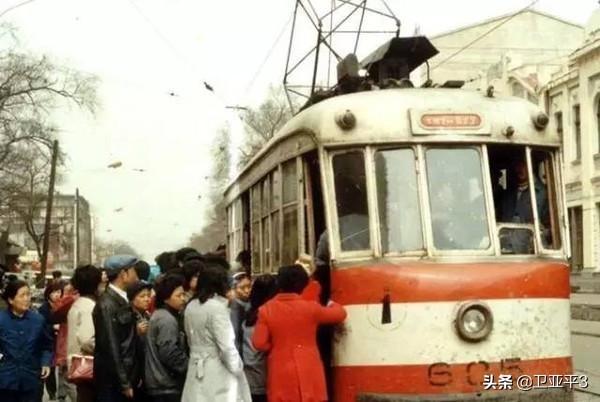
<point x="585" y="345"/>
<point x="585" y="306"/>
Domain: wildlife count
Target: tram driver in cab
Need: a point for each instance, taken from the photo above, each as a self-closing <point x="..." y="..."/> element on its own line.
<point x="516" y="208"/>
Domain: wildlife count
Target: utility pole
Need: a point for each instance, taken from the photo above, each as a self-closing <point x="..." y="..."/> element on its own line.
<point x="76" y="251"/>
<point x="42" y="282"/>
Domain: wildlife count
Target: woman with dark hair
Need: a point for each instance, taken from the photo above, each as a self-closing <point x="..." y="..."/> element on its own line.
<point x="52" y="295"/>
<point x="25" y="346"/>
<point x="166" y="358"/>
<point x="215" y="371"/>
<point x="191" y="269"/>
<point x="286" y="328"/>
<point x="80" y="337"/>
<point x="103" y="281"/>
<point x="264" y="288"/>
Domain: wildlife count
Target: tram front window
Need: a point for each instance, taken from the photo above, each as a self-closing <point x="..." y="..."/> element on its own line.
<point x="398" y="200"/>
<point x="351" y="197"/>
<point x="458" y="211"/>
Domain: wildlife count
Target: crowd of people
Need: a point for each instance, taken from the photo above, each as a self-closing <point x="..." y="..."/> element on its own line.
<point x="193" y="330"/>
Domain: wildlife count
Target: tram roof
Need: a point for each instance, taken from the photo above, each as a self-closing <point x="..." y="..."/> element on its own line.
<point x="394" y="116"/>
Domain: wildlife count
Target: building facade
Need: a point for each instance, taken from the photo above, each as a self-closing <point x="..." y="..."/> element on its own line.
<point x="532" y="41"/>
<point x="572" y="100"/>
<point x="68" y="244"/>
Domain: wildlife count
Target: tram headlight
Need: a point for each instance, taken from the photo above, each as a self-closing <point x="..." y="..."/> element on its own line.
<point x="474" y="321"/>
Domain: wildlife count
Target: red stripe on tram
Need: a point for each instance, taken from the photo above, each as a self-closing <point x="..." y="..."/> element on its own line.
<point x="439" y="378"/>
<point x="428" y="282"/>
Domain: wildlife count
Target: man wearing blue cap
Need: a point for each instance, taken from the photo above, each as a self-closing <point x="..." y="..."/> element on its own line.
<point x="116" y="365"/>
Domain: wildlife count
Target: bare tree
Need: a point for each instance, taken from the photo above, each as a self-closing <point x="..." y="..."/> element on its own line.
<point x="31" y="89"/>
<point x="262" y="123"/>
<point x="105" y="249"/>
<point x="28" y="193"/>
<point x="214" y="231"/>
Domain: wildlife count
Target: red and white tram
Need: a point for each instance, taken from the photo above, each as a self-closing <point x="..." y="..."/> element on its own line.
<point x="450" y="268"/>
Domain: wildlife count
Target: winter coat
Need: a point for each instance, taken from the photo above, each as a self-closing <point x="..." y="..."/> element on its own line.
<point x="237" y="313"/>
<point x="215" y="371"/>
<point x="25" y="347"/>
<point x="166" y="359"/>
<point x="287" y="329"/>
<point x="59" y="315"/>
<point x="116" y="363"/>
<point x="80" y="338"/>
<point x="312" y="291"/>
<point x="255" y="363"/>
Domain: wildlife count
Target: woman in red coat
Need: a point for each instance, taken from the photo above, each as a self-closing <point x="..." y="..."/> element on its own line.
<point x="286" y="328"/>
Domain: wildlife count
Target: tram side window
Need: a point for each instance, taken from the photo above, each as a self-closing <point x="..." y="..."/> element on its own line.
<point x="458" y="211"/>
<point x="235" y="240"/>
<point x="546" y="198"/>
<point x="255" y="231"/>
<point x="290" y="212"/>
<point x="275" y="229"/>
<point x="398" y="200"/>
<point x="510" y="184"/>
<point x="266" y="232"/>
<point x="351" y="197"/>
<point x="514" y="214"/>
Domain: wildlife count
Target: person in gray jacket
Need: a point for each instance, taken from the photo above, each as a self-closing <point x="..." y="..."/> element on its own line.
<point x="255" y="364"/>
<point x="166" y="357"/>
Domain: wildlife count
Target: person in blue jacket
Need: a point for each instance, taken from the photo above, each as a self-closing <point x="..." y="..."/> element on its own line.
<point x="25" y="346"/>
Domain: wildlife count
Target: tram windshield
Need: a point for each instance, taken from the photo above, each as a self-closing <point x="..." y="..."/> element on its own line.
<point x="458" y="212"/>
<point x="468" y="198"/>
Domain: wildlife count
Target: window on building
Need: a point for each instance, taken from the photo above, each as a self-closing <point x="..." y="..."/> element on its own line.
<point x="577" y="130"/>
<point x="576" y="235"/>
<point x="598" y="122"/>
<point x="558" y="118"/>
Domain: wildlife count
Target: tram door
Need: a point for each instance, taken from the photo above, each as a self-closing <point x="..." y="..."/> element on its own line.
<point x="314" y="227"/>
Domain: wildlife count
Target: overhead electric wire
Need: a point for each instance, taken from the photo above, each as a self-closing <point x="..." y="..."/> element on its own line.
<point x="175" y="50"/>
<point x="269" y="53"/>
<point x="483" y="35"/>
<point x="9" y="9"/>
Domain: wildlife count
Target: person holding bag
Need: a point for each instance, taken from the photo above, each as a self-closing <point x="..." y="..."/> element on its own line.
<point x="80" y="338"/>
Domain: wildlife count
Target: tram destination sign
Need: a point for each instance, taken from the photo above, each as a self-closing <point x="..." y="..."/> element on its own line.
<point x="430" y="122"/>
<point x="458" y="120"/>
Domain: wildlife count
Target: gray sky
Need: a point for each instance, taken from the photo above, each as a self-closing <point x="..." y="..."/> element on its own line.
<point x="144" y="50"/>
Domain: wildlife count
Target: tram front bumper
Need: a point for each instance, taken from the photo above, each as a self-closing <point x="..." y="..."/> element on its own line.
<point x="545" y="395"/>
